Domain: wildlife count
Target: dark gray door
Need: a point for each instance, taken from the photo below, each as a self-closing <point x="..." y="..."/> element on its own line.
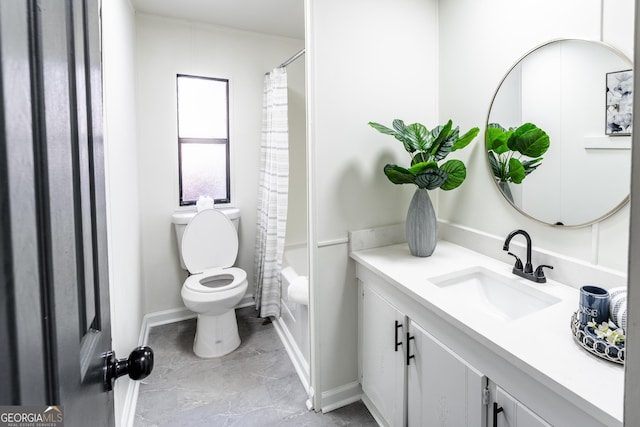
<point x="54" y="299"/>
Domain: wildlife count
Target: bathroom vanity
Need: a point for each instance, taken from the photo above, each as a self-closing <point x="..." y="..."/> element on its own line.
<point x="457" y="339"/>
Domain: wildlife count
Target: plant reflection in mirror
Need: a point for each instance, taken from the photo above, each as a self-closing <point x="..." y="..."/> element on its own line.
<point x="515" y="153"/>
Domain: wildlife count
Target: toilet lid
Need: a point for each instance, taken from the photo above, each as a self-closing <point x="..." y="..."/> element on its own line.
<point x="209" y="241"/>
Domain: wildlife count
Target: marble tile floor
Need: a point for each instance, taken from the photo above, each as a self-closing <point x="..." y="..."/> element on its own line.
<point x="256" y="385"/>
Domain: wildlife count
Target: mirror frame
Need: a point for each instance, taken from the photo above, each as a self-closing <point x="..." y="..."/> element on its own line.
<point x="616" y="208"/>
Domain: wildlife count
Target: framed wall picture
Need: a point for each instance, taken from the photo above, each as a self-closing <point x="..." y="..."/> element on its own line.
<point x="619" y="115"/>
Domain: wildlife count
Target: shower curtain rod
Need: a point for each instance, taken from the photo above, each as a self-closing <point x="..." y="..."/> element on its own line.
<point x="293" y="58"/>
<point x="289" y="61"/>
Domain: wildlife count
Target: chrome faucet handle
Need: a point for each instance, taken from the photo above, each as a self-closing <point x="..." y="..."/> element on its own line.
<point x="518" y="264"/>
<point x="539" y="273"/>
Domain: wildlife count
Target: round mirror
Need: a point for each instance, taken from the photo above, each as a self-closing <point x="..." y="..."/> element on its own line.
<point x="558" y="133"/>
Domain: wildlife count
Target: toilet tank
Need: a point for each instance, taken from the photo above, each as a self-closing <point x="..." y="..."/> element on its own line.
<point x="180" y="219"/>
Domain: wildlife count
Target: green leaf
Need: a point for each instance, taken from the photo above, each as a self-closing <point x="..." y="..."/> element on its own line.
<point x="531" y="165"/>
<point x="466" y="139"/>
<point x="431" y="179"/>
<point x="532" y="162"/>
<point x="398" y="125"/>
<point x="444" y="142"/>
<point x="457" y="172"/>
<point x="420" y="167"/>
<point x="497" y="139"/>
<point x="496" y="125"/>
<point x="382" y="128"/>
<point x="439" y="134"/>
<point x="443" y="150"/>
<point x="529" y="140"/>
<point x="399" y="175"/>
<point x="516" y="171"/>
<point x="398" y="134"/>
<point x="419" y="136"/>
<point x="495" y="166"/>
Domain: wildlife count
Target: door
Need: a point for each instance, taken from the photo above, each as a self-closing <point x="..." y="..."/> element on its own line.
<point x="383" y="363"/>
<point x="442" y="388"/>
<point x="511" y="413"/>
<point x="54" y="299"/>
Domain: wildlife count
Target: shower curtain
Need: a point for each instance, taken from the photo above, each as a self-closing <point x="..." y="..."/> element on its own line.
<point x="272" y="194"/>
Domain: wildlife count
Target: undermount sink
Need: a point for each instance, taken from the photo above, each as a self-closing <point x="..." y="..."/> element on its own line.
<point x="484" y="291"/>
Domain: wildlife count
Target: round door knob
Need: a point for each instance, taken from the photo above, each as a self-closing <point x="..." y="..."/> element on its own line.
<point x="138" y="365"/>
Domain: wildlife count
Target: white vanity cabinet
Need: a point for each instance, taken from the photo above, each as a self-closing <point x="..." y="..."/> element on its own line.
<point x="442" y="388"/>
<point x="512" y="413"/>
<point x="458" y="360"/>
<point x="383" y="358"/>
<point x="409" y="377"/>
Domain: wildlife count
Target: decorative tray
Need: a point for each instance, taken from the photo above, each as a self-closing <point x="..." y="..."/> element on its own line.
<point x="587" y="338"/>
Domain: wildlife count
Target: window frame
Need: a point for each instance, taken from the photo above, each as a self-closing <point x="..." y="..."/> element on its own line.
<point x="184" y="140"/>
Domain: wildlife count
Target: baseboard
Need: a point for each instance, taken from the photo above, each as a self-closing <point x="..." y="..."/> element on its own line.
<point x="131" y="401"/>
<point x="165" y="317"/>
<point x="149" y="321"/>
<point x="247" y="301"/>
<point x="373" y="410"/>
<point x="341" y="396"/>
<point x="299" y="363"/>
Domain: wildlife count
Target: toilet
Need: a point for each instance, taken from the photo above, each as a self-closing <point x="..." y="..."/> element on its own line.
<point x="208" y="245"/>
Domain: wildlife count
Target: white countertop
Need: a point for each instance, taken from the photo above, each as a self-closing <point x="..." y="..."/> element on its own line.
<point x="568" y="370"/>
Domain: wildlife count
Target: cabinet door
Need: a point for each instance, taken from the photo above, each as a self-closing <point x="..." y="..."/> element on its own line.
<point x="514" y="413"/>
<point x="383" y="372"/>
<point x="442" y="389"/>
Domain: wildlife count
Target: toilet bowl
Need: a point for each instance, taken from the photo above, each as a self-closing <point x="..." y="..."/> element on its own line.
<point x="209" y="248"/>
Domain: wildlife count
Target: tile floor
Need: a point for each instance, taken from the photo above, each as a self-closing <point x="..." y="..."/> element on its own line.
<point x="256" y="385"/>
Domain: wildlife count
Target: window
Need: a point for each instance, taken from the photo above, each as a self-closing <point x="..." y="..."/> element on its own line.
<point x="203" y="138"/>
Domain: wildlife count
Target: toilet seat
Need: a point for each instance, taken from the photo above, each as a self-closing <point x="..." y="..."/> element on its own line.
<point x="209" y="249"/>
<point x="228" y="278"/>
<point x="209" y="241"/>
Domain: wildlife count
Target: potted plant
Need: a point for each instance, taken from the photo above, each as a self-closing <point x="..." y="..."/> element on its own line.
<point x="426" y="148"/>
<point x="515" y="153"/>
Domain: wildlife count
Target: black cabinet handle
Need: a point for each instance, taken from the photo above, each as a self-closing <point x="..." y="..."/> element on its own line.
<point x="397" y="344"/>
<point x="138" y="365"/>
<point x="409" y="355"/>
<point x="496" y="411"/>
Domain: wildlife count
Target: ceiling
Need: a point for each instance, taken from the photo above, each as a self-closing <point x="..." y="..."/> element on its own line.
<point x="277" y="17"/>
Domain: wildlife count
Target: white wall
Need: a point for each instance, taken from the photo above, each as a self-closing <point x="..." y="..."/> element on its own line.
<point x="118" y="43"/>
<point x="166" y="47"/>
<point x="297" y="211"/>
<point x="473" y="60"/>
<point x="367" y="61"/>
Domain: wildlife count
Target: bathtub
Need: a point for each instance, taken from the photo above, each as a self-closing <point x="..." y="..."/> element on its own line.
<point x="294" y="267"/>
<point x="294" y="313"/>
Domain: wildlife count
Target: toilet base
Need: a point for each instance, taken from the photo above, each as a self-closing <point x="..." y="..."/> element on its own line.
<point x="216" y="335"/>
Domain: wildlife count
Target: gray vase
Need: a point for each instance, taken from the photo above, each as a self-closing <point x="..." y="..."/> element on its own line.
<point x="421" y="226"/>
<point x="506" y="190"/>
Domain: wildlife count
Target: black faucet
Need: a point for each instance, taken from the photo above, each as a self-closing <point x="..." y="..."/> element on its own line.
<point x="526" y="271"/>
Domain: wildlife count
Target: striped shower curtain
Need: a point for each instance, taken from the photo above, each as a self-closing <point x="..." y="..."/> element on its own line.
<point x="273" y="191"/>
